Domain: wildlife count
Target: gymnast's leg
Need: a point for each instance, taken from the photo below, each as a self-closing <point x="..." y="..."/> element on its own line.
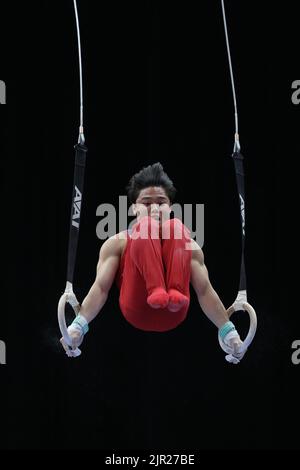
<point x="146" y="253"/>
<point x="177" y="261"/>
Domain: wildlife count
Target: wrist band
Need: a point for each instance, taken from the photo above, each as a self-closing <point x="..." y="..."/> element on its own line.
<point x="81" y="321"/>
<point x="228" y="326"/>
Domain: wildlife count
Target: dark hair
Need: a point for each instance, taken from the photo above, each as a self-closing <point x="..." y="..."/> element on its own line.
<point x="152" y="175"/>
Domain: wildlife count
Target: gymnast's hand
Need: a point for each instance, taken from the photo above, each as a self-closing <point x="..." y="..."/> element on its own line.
<point x="234" y="342"/>
<point x="76" y="337"/>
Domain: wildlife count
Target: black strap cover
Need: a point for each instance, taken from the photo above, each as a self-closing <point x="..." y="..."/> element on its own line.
<point x="239" y="173"/>
<point x="80" y="159"/>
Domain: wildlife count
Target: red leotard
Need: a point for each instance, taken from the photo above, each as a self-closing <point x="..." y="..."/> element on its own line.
<point x="150" y="262"/>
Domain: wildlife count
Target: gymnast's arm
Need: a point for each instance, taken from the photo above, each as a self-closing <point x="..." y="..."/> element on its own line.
<point x="208" y="299"/>
<point x="109" y="259"/>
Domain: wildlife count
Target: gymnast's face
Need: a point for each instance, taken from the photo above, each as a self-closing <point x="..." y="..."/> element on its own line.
<point x="152" y="202"/>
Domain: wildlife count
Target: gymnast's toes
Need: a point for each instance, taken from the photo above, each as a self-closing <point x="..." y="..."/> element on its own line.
<point x="158" y="299"/>
<point x="176" y="300"/>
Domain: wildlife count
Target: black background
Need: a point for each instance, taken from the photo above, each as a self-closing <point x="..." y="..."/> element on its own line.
<point x="156" y="88"/>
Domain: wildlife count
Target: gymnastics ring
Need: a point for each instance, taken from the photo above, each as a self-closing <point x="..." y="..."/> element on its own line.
<point x="241" y="304"/>
<point x="70" y="298"/>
